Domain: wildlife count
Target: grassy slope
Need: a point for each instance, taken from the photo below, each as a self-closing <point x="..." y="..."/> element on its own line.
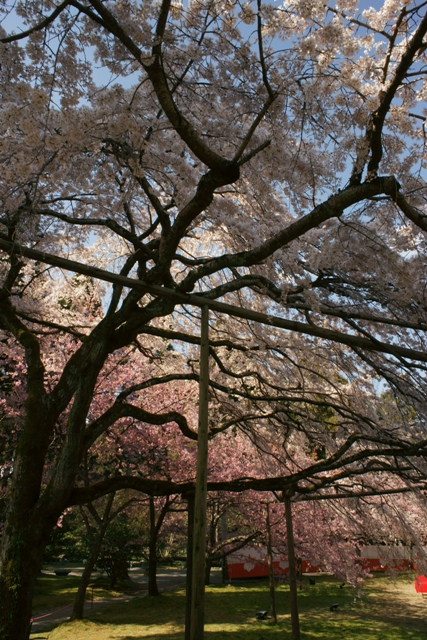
<point x="386" y="612"/>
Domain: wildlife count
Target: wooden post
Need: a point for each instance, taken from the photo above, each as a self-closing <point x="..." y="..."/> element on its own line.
<point x="199" y="533"/>
<point x="271" y="568"/>
<point x="292" y="568"/>
<point x="189" y="579"/>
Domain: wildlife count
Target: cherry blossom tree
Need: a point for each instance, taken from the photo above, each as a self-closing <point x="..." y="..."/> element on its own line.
<point x="265" y="160"/>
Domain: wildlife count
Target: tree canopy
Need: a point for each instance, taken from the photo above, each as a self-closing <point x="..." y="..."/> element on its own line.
<point x="264" y="156"/>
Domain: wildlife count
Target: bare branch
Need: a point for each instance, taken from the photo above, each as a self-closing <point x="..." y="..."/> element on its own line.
<point x="40" y="26"/>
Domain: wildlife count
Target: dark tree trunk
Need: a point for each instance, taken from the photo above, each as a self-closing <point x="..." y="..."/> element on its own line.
<point x="292" y="569"/>
<point x="224" y="570"/>
<point x="212" y="542"/>
<point x="123" y="572"/>
<point x="29" y="520"/>
<point x="155" y="527"/>
<point x="79" y="602"/>
<point x="299" y="571"/>
<point x="31" y="513"/>
<point x="208" y="568"/>
<point x="152" y="553"/>
<point x="23" y="546"/>
<point x="271" y="568"/>
<point x="153" y="589"/>
<point x="16" y="591"/>
<point x="224" y="563"/>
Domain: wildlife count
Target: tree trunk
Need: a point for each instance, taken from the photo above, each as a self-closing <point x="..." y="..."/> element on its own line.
<point x="123" y="572"/>
<point x="32" y="512"/>
<point x="16" y="593"/>
<point x="208" y="568"/>
<point x="29" y="522"/>
<point x="271" y="568"/>
<point x="152" y="572"/>
<point x="292" y="569"/>
<point x="224" y="563"/>
<point x="299" y="571"/>
<point x="152" y="553"/>
<point x="79" y="602"/>
<point x="23" y="546"/>
<point x="199" y="535"/>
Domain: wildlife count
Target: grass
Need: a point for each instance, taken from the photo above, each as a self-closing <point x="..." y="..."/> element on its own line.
<point x="54" y="592"/>
<point x="387" y="611"/>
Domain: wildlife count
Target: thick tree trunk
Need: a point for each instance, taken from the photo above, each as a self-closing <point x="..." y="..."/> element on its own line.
<point x="31" y="513"/>
<point x="29" y="521"/>
<point x="22" y="555"/>
<point x="16" y="593"/>
<point x="25" y="537"/>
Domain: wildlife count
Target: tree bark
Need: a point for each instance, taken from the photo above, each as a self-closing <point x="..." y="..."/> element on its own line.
<point x="199" y="539"/>
<point x="78" y="609"/>
<point x="224" y="563"/>
<point x="24" y="543"/>
<point x="32" y="513"/>
<point x="292" y="569"/>
<point x="29" y="518"/>
<point x="152" y="553"/>
<point x="208" y="567"/>
<point x="271" y="568"/>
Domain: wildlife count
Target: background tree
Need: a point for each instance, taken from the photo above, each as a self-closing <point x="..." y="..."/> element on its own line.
<point x="114" y="560"/>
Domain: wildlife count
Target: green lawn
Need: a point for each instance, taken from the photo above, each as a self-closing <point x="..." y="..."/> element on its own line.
<point x="54" y="592"/>
<point x="386" y="611"/>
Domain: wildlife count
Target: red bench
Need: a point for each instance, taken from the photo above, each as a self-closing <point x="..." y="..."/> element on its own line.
<point x="421" y="585"/>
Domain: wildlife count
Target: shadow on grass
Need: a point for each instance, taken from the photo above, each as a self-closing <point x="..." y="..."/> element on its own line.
<point x="397" y="600"/>
<point x="52" y="592"/>
<point x="231" y="613"/>
<point x="235" y="605"/>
